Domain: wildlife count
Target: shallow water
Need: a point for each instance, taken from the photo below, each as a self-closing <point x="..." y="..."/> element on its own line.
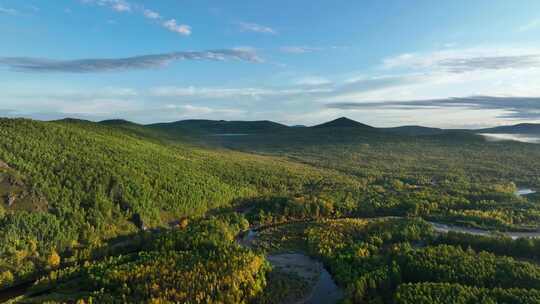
<point x="325" y="289"/>
<point x="512" y="137"/>
<point x="474" y="231"/>
<point x="524" y="191"/>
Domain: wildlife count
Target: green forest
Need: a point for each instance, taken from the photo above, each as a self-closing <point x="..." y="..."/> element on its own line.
<point x="116" y="212"/>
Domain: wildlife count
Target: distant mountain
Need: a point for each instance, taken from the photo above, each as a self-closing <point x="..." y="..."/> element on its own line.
<point x="117" y="122"/>
<point x="72" y="120"/>
<point x="214" y="127"/>
<point x="201" y="129"/>
<point x="414" y="130"/>
<point x="524" y="128"/>
<point x="343" y="122"/>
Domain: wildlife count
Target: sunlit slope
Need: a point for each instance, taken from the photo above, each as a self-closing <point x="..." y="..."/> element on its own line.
<point x="97" y="174"/>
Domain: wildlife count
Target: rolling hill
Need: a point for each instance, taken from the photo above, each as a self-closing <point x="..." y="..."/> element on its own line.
<point x="414" y="130"/>
<point x="525" y="128"/>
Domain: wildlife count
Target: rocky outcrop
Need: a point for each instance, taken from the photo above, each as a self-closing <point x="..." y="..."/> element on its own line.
<point x="3" y="165"/>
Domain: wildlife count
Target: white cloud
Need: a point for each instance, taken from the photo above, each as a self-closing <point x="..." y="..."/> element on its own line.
<point x="121" y="7"/>
<point x="533" y="24"/>
<point x="150" y="14"/>
<point x="190" y="110"/>
<point x="312" y="81"/>
<point x="181" y="29"/>
<point x="256" y="28"/>
<point x="8" y="11"/>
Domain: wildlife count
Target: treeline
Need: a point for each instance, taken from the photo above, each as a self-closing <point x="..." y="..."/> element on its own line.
<point x="445" y="263"/>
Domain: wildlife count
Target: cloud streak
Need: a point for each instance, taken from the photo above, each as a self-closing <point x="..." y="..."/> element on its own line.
<point x="96" y="65"/>
<point x="256" y="28"/>
<point x="314" y="88"/>
<point x="514" y="107"/>
<point x="123" y="6"/>
<point x="298" y="49"/>
<point x="467" y="60"/>
<point x="462" y="65"/>
<point x="117" y="5"/>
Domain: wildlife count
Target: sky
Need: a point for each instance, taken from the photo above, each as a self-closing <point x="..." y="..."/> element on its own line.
<point x="452" y="64"/>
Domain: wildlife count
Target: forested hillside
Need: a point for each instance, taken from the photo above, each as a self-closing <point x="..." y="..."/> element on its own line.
<point x="85" y="183"/>
<point x="121" y="212"/>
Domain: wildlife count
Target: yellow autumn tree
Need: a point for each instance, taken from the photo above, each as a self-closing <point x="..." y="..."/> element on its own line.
<point x="184" y="222"/>
<point x="53" y="261"/>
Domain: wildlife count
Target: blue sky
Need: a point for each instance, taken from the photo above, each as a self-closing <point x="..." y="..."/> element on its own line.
<point x="386" y="63"/>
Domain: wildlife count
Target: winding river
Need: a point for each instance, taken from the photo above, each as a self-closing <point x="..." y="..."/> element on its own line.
<point x="324" y="290"/>
<point x="524" y="191"/>
<point x="444" y="228"/>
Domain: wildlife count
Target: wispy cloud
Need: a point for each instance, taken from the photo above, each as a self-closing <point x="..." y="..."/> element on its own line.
<point x="312" y="81"/>
<point x="256" y="28"/>
<point x="415" y="88"/>
<point x="117" y="5"/>
<point x="514" y="107"/>
<point x="181" y="29"/>
<point x="94" y="65"/>
<point x="303" y="49"/>
<point x="150" y="14"/>
<point x="189" y="110"/>
<point x="533" y="24"/>
<point x="125" y="6"/>
<point x="461" y="65"/>
<point x="466" y="60"/>
<point x="315" y="89"/>
<point x="8" y="11"/>
<point x="33" y="8"/>
<point x="105" y="103"/>
<point x="367" y="84"/>
<point x="298" y="49"/>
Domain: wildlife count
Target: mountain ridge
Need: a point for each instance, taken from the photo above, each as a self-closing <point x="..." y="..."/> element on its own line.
<point x="341" y="122"/>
